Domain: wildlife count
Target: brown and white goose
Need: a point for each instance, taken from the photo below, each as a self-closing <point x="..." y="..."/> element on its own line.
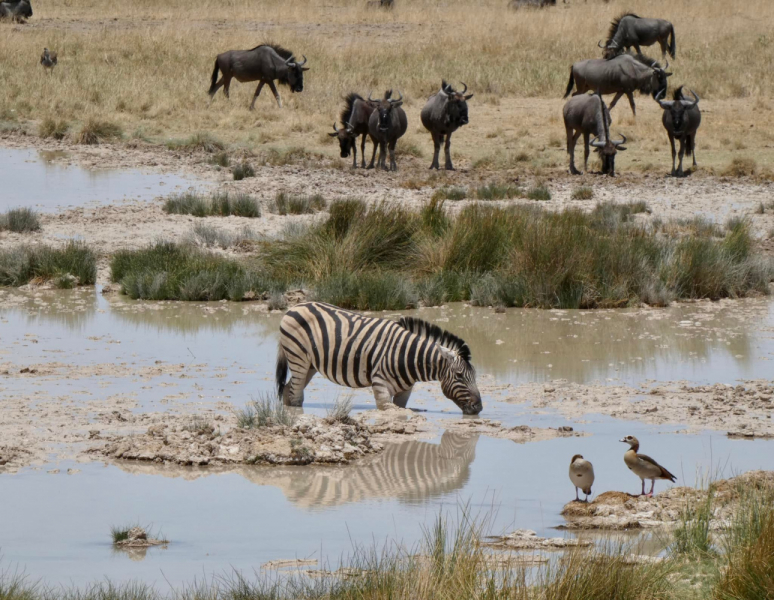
<point x="48" y="59"/>
<point x="644" y="466"/>
<point x="581" y="475"/>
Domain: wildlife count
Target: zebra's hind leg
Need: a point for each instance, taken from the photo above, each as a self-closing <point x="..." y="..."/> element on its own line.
<point x="401" y="398"/>
<point x="294" y="390"/>
<point x="382" y="395"/>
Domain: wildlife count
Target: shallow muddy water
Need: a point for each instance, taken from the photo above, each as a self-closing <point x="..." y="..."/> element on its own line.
<point x="89" y="348"/>
<point x="41" y="181"/>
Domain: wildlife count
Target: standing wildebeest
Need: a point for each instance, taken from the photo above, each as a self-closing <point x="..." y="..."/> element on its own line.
<point x="629" y="30"/>
<point x="264" y="63"/>
<point x="355" y="117"/>
<point x="18" y="10"/>
<point x="681" y="119"/>
<point x="588" y="115"/>
<point x="387" y="123"/>
<point x="444" y="113"/>
<point x="624" y="74"/>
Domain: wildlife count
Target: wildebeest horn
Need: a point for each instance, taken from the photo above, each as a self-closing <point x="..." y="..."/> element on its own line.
<point x="623" y="141"/>
<point x="369" y="97"/>
<point x="301" y="64"/>
<point x="465" y="86"/>
<point x="688" y="103"/>
<point x="392" y="101"/>
<point x="599" y="43"/>
<point x="336" y="129"/>
<point x="596" y="143"/>
<point x="349" y="127"/>
<point x="662" y="103"/>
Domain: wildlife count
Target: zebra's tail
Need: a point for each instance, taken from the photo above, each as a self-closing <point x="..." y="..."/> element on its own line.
<point x="282" y="371"/>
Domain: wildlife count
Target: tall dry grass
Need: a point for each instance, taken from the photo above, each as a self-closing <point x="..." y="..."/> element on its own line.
<point x="145" y="65"/>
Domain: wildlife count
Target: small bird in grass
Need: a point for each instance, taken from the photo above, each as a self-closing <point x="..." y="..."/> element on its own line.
<point x="581" y="475"/>
<point x="643" y="466"/>
<point x="48" y="59"/>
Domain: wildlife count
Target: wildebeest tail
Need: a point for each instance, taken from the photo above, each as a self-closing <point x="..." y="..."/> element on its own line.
<point x="282" y="371"/>
<point x="672" y="43"/>
<point x="689" y="144"/>
<point x="570" y="85"/>
<point x="213" y="89"/>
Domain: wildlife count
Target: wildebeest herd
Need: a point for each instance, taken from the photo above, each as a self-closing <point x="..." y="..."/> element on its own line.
<point x="619" y="72"/>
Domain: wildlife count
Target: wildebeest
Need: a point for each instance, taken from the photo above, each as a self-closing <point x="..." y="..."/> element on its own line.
<point x="354" y="117"/>
<point x="17" y="10"/>
<point x="624" y="74"/>
<point x="587" y="114"/>
<point x="681" y="119"/>
<point x="386" y="125"/>
<point x="386" y="4"/>
<point x="264" y="63"/>
<point x="444" y="113"/>
<point x="531" y="3"/>
<point x="629" y="31"/>
<point x="48" y="59"/>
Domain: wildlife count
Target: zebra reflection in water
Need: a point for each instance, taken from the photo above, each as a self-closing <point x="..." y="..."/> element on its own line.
<point x="410" y="471"/>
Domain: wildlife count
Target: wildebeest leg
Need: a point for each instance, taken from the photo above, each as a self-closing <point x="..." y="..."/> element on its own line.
<point x="447" y="153"/>
<point x="615" y="100"/>
<point x="630" y="96"/>
<point x="257" y="93"/>
<point x="275" y="92"/>
<point x="393" y="164"/>
<point x="585" y="152"/>
<point x="693" y="149"/>
<point x="402" y="398"/>
<point x="383" y="155"/>
<point x="680" y="156"/>
<point x="215" y="89"/>
<point x="637" y="48"/>
<point x="437" y="141"/>
<point x="572" y="139"/>
<point x="362" y="150"/>
<point x="663" y="43"/>
<point x="226" y="86"/>
<point x="373" y="156"/>
<point x="354" y="153"/>
<point x="672" y="142"/>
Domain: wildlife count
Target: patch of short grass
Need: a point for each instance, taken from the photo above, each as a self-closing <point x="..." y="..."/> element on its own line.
<point x="217" y="205"/>
<point x="19" y="220"/>
<point x="499" y="191"/>
<point x="201" y="141"/>
<point x="450" y="193"/>
<point x="74" y="264"/>
<point x="539" y="192"/>
<point x="53" y="128"/>
<point x="265" y="411"/>
<point x="96" y="131"/>
<point x="286" y="203"/>
<point x="582" y="193"/>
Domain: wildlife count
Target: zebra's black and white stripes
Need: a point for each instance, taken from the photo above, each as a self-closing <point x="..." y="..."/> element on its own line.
<point x="358" y="351"/>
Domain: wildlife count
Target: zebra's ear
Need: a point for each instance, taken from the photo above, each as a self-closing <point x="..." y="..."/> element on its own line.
<point x="447" y="354"/>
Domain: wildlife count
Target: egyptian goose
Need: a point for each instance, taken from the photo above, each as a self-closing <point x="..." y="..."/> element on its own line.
<point x="48" y="59"/>
<point x="581" y="475"/>
<point x="644" y="466"/>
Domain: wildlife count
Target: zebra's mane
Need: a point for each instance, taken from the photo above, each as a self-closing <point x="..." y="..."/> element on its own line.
<point x="436" y="334"/>
<point x="615" y="23"/>
<point x="283" y="52"/>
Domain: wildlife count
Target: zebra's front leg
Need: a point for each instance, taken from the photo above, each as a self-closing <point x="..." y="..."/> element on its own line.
<point x="401" y="398"/>
<point x="382" y="394"/>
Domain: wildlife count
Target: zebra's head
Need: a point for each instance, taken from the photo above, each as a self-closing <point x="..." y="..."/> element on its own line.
<point x="458" y="381"/>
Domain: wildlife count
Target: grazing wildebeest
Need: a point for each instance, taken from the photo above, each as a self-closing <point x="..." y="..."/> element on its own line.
<point x="48" y="59"/>
<point x="354" y="116"/>
<point x="387" y="4"/>
<point x="17" y="10"/>
<point x="264" y="63"/>
<point x="629" y="31"/>
<point x="531" y="3"/>
<point x="624" y="74"/>
<point x="681" y="119"/>
<point x="444" y="113"/>
<point x="587" y="114"/>
<point x="387" y="123"/>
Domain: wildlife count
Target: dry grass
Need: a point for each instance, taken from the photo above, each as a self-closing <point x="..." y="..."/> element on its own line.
<point x="146" y="65"/>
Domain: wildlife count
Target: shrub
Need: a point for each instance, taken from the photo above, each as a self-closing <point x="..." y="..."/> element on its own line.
<point x="95" y="131"/>
<point x="20" y="220"/>
<point x="75" y="264"/>
<point x="582" y="193"/>
<point x="53" y="128"/>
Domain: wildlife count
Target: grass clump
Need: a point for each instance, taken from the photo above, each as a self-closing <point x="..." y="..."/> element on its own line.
<point x="266" y="411"/>
<point x="220" y="159"/>
<point x="75" y="264"/>
<point x="539" y="192"/>
<point x="95" y="132"/>
<point x="339" y="412"/>
<point x="692" y="536"/>
<point x="582" y="193"/>
<point x="53" y="128"/>
<point x="20" y="220"/>
<point x="120" y="534"/>
<point x="201" y="141"/>
<point x="499" y="191"/>
<point x="450" y="193"/>
<point x="217" y="205"/>
<point x="210" y="236"/>
<point x="242" y="171"/>
<point x="741" y="166"/>
<point x="293" y="204"/>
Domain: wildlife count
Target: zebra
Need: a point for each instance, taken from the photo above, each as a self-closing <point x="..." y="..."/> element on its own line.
<point x="358" y="351"/>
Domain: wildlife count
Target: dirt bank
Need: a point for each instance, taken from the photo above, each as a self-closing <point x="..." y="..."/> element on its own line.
<point x="621" y="511"/>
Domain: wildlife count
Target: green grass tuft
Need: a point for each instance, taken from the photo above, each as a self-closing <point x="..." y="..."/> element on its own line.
<point x="450" y="193"/>
<point x="292" y="204"/>
<point x="582" y="193"/>
<point x="242" y="171"/>
<point x="539" y="192"/>
<point x="201" y="141"/>
<point x="75" y="264"/>
<point x="266" y="411"/>
<point x="20" y="220"/>
<point x="53" y="128"/>
<point x="217" y="205"/>
<point x="95" y="131"/>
